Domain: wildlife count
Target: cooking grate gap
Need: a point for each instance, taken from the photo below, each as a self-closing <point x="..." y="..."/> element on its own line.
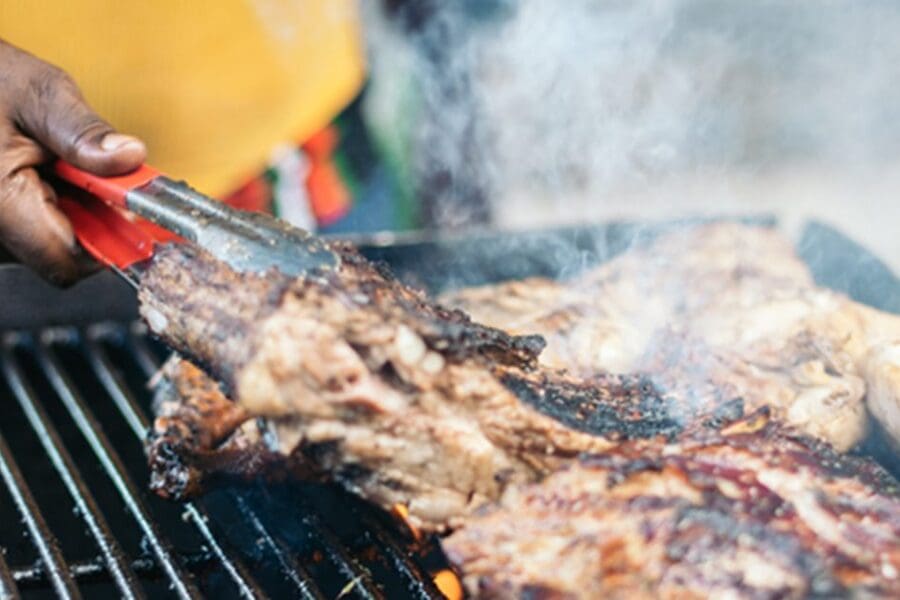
<point x="65" y="523"/>
<point x="120" y="357"/>
<point x="116" y="428"/>
<point x="24" y="360"/>
<point x="84" y="504"/>
<point x="110" y="377"/>
<point x="15" y="543"/>
<point x="182" y="582"/>
<point x="71" y="362"/>
<point x="50" y="496"/>
<point x="381" y="544"/>
<point x="403" y="560"/>
<point x="347" y="568"/>
<point x="358" y="526"/>
<point x="319" y="551"/>
<point x="45" y="542"/>
<point x="287" y="562"/>
<point x="351" y="562"/>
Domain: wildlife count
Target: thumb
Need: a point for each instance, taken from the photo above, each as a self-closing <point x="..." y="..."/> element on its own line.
<point x="56" y="115"/>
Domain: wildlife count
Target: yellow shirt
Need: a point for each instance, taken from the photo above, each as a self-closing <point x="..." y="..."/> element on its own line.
<point x="212" y="86"/>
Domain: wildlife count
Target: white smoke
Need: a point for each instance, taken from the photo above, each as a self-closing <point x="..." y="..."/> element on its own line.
<point x="588" y="93"/>
<point x="594" y="109"/>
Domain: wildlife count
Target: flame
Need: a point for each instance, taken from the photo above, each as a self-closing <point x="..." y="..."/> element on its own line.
<point x="401" y="512"/>
<point x="448" y="584"/>
<point x="445" y="579"/>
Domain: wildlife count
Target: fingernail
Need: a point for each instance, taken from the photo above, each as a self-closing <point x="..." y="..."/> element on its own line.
<point x="112" y="142"/>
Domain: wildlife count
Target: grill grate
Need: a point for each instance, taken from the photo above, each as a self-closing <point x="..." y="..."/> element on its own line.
<point x="77" y="522"/>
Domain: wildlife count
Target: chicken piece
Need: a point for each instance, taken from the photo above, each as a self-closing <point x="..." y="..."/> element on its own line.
<point x="720" y="306"/>
<point x="747" y="511"/>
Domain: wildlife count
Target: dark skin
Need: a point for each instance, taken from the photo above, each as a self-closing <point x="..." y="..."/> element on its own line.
<point x="43" y="116"/>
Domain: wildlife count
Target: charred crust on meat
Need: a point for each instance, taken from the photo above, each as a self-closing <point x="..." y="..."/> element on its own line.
<point x="215" y="310"/>
<point x="725" y="413"/>
<point x="448" y="331"/>
<point x="741" y="514"/>
<point x="170" y="475"/>
<point x="208" y="312"/>
<point x="702" y="531"/>
<point x="612" y="406"/>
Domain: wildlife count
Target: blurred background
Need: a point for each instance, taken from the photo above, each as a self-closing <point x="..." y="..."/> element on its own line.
<point x="527" y="113"/>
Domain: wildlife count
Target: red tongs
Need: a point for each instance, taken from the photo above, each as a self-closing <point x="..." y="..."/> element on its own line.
<point x="126" y="217"/>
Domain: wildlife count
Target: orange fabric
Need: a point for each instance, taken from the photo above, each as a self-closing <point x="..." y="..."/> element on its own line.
<point x="329" y="198"/>
<point x="255" y="195"/>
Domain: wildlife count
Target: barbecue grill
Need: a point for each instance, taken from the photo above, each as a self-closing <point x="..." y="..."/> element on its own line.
<point x="76" y="518"/>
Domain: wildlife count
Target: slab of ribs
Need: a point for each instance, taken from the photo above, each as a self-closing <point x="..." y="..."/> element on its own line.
<point x="678" y="422"/>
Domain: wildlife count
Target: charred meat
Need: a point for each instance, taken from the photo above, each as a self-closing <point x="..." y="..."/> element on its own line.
<point x="352" y="375"/>
<point x="555" y="483"/>
<point x="718" y="307"/>
<point x="746" y="510"/>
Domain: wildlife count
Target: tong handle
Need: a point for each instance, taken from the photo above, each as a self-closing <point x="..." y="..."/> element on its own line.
<point x="112" y="237"/>
<point x="146" y="192"/>
<point x="107" y="235"/>
<point x="112" y="190"/>
<point x="247" y="241"/>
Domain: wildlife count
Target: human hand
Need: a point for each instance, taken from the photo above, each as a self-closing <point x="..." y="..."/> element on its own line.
<point x="42" y="116"/>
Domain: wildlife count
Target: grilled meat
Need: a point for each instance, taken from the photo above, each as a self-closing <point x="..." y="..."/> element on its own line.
<point x="719" y="307"/>
<point x="351" y="374"/>
<point x="348" y="367"/>
<point x="745" y="511"/>
<point x="734" y="506"/>
<point x="555" y="485"/>
<point x="199" y="434"/>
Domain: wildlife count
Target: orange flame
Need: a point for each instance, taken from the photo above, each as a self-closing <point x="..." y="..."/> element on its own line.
<point x="448" y="584"/>
<point x="401" y="512"/>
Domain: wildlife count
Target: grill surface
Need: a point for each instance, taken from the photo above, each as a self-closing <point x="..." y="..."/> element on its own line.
<point x="75" y="517"/>
<point x="91" y="530"/>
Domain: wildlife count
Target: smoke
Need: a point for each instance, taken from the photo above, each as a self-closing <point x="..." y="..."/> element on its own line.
<point x="423" y="64"/>
<point x="591" y="94"/>
<point x="576" y="105"/>
<point x="587" y="110"/>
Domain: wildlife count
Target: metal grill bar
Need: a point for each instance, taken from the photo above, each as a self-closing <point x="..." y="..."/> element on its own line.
<point x="8" y="589"/>
<point x="182" y="581"/>
<point x="290" y="566"/>
<point x="420" y="584"/>
<point x="113" y="556"/>
<point x="139" y="424"/>
<point x="91" y="569"/>
<point x="41" y="536"/>
<point x="346" y="564"/>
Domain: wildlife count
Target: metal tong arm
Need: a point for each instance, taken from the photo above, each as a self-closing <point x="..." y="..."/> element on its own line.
<point x="247" y="241"/>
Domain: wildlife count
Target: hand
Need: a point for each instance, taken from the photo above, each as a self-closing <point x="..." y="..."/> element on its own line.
<point x="43" y="115"/>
